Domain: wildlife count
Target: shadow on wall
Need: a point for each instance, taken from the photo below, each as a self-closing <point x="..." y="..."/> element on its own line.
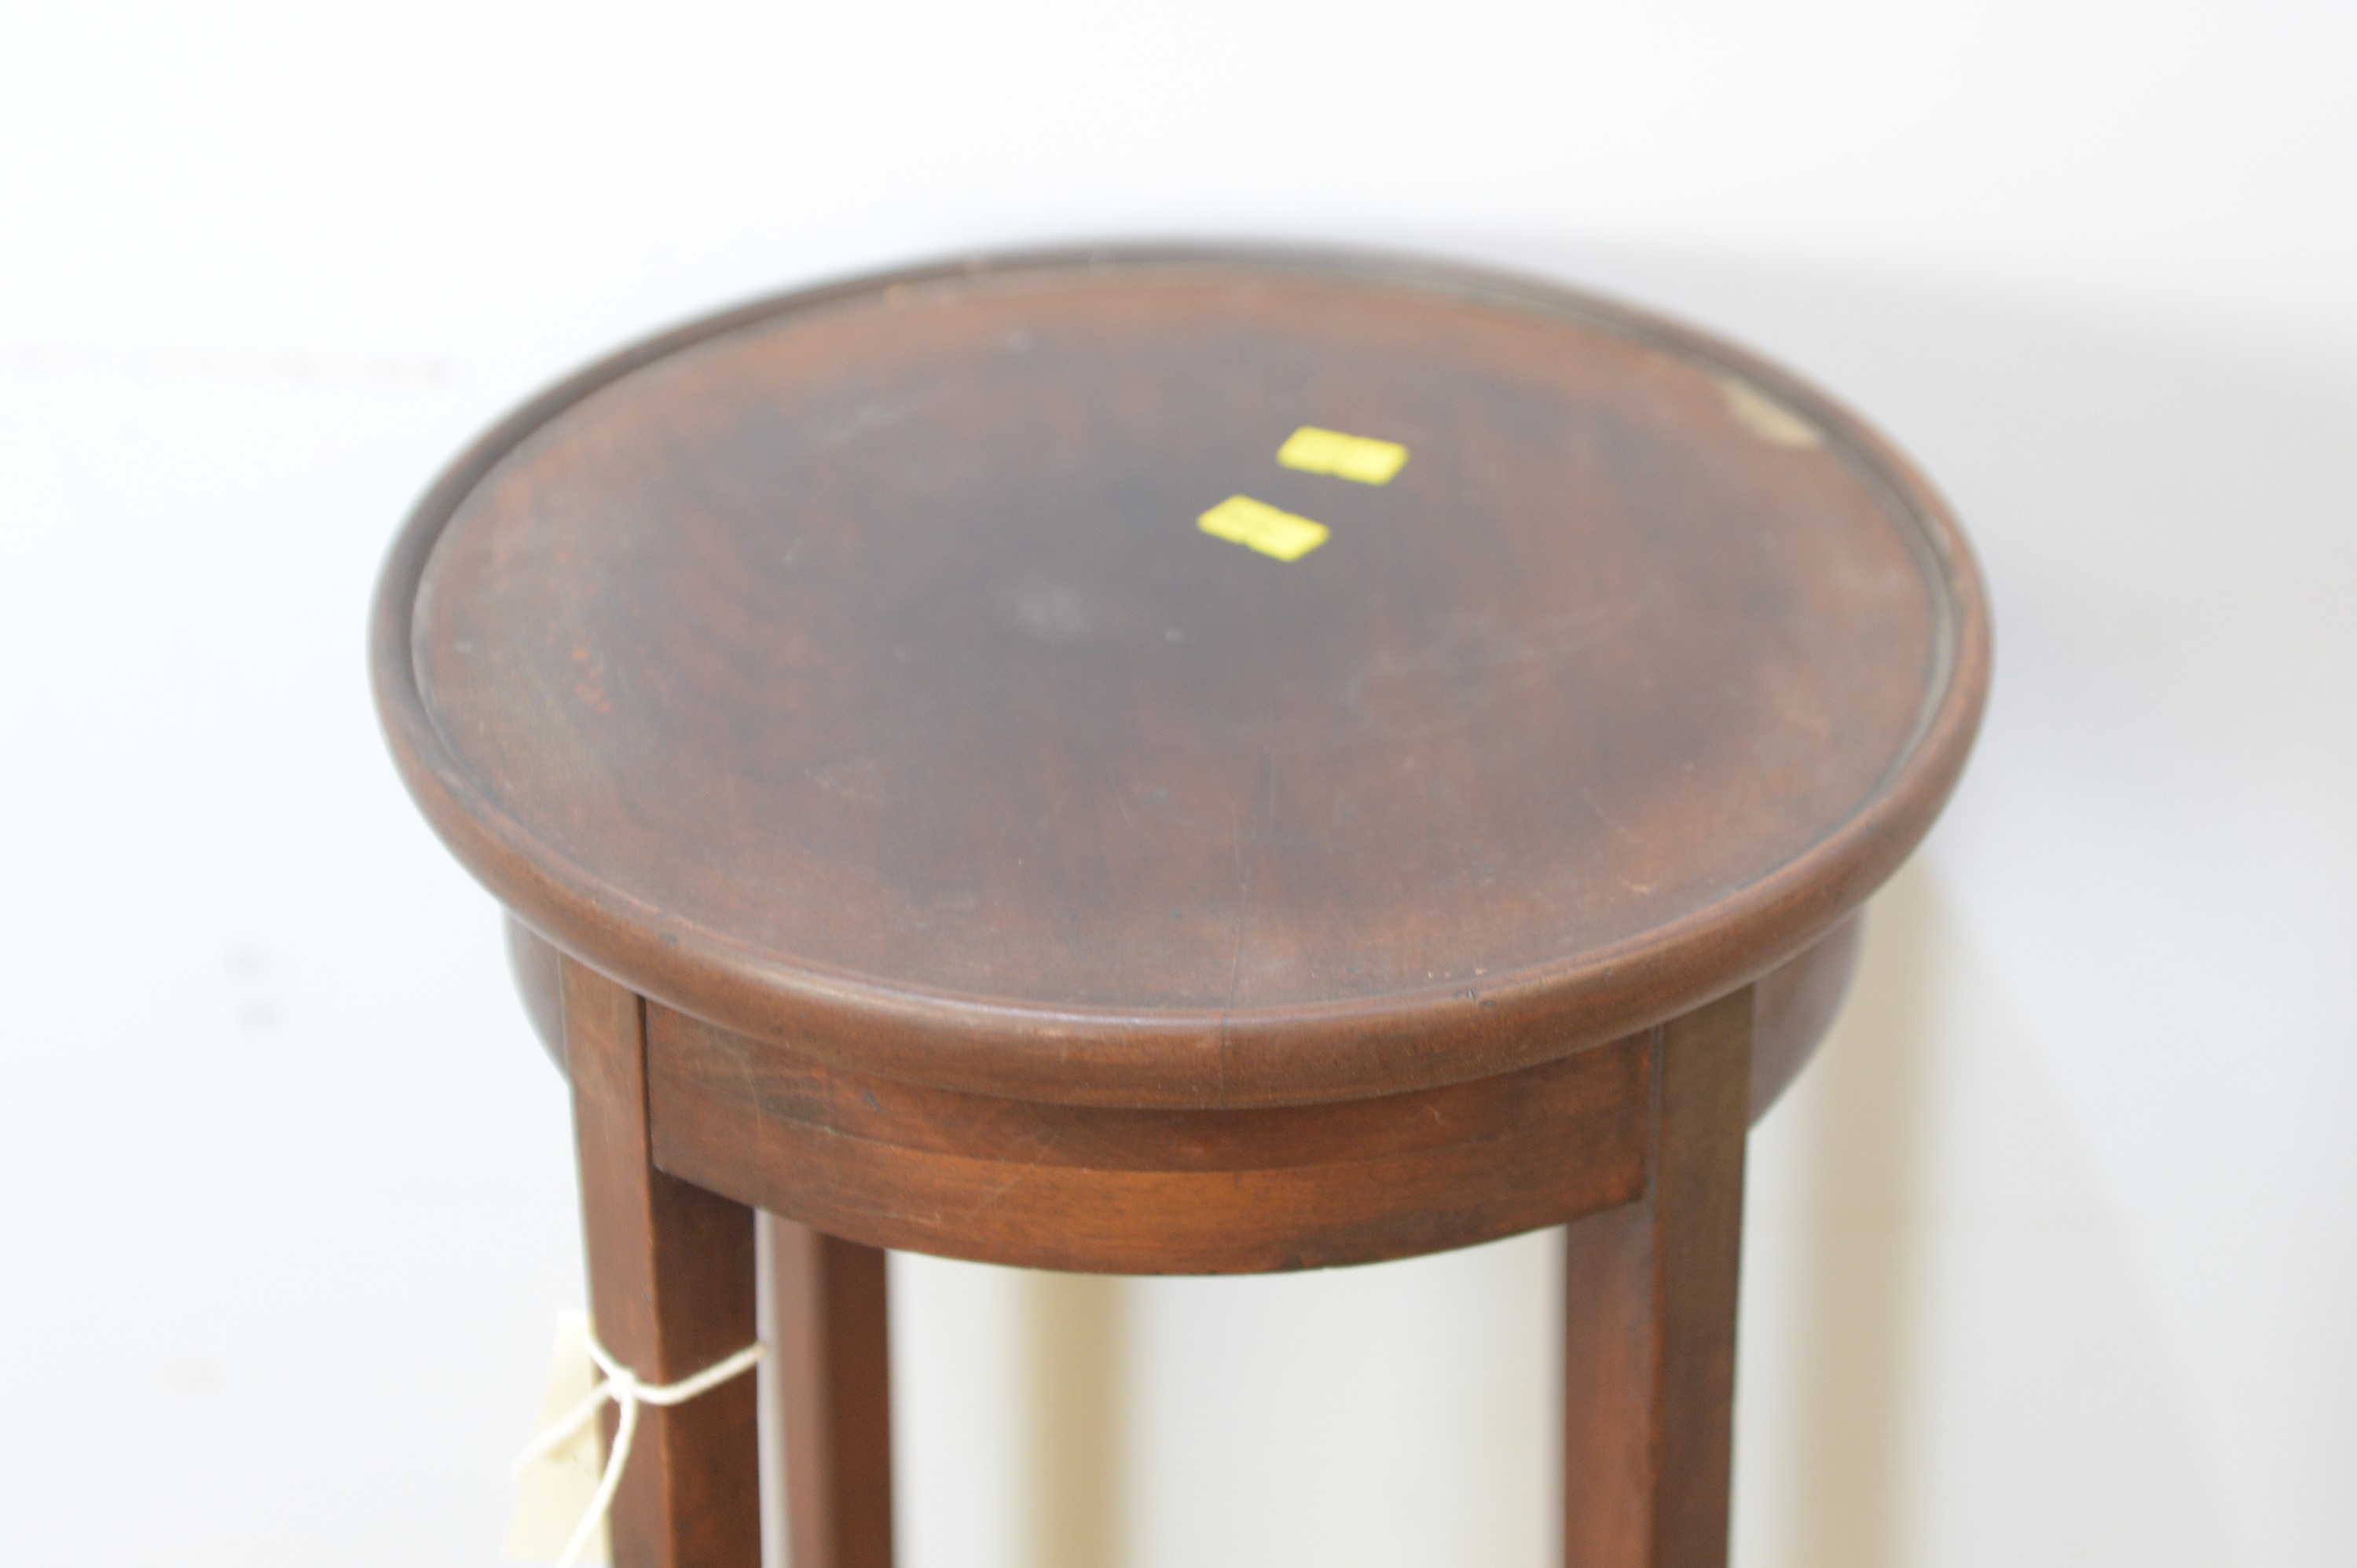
<point x="1992" y="1312"/>
<point x="1076" y="1328"/>
<point x="1850" y="1338"/>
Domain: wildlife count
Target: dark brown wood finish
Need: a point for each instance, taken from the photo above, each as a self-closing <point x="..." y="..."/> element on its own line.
<point x="1794" y="1004"/>
<point x="848" y="671"/>
<point x="1649" y="1296"/>
<point x="1798" y="1001"/>
<point x="990" y="862"/>
<point x="835" y="1380"/>
<point x="1101" y="1189"/>
<point x="671" y="1292"/>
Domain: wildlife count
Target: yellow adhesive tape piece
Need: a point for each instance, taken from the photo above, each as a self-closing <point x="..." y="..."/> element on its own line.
<point x="1359" y="457"/>
<point x="1256" y="525"/>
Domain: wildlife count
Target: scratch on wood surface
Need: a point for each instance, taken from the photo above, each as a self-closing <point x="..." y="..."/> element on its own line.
<point x="1608" y="820"/>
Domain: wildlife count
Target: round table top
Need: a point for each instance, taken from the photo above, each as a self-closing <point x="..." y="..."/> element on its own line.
<point x="1182" y="678"/>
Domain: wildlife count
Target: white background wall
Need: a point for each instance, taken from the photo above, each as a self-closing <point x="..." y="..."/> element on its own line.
<point x="2051" y="1258"/>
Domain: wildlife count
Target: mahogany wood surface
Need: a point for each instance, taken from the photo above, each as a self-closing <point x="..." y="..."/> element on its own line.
<point x="848" y="670"/>
<point x="1797" y="1002"/>
<point x="834" y="1381"/>
<point x="671" y="1292"/>
<point x="1137" y="1190"/>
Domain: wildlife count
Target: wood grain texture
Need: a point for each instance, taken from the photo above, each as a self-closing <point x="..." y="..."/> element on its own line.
<point x="1798" y="1001"/>
<point x="1794" y="1004"/>
<point x="1125" y="1191"/>
<point x="848" y="670"/>
<point x="538" y="970"/>
<point x="671" y="1292"/>
<point x="834" y="1384"/>
<point x="1649" y="1342"/>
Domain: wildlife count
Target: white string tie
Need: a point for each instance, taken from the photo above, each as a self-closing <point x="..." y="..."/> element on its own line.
<point x="622" y="1386"/>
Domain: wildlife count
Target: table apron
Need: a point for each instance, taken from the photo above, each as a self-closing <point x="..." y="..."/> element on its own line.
<point x="1129" y="1191"/>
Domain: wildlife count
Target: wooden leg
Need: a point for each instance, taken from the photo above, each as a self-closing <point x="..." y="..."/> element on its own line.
<point x="834" y="1382"/>
<point x="1649" y="1383"/>
<point x="671" y="1292"/>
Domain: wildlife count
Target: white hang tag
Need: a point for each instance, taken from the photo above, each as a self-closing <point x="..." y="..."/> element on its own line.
<point x="555" y="1490"/>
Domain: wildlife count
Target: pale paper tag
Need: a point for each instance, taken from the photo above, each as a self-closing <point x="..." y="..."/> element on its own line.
<point x="555" y="1492"/>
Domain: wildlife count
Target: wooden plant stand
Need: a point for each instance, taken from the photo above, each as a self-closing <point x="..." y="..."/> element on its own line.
<point x="918" y="826"/>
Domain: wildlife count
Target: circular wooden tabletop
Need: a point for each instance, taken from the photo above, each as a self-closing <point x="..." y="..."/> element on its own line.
<point x="943" y="672"/>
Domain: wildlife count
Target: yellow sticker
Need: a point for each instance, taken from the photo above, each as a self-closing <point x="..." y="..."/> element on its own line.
<point x="1359" y="457"/>
<point x="1256" y="525"/>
